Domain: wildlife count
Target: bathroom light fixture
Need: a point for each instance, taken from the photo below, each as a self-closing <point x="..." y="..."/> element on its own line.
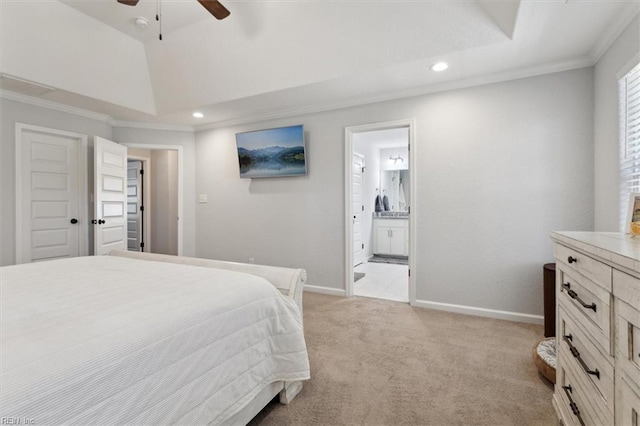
<point x="395" y="159"/>
<point x="198" y="114"/>
<point x="440" y="66"/>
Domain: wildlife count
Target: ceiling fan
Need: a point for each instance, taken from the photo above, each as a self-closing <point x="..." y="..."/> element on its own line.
<point x="213" y="6"/>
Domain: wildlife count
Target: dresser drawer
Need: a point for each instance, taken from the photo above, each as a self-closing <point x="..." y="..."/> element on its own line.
<point x="626" y="288"/>
<point x="572" y="389"/>
<point x="596" y="271"/>
<point x="589" y="304"/>
<point x="628" y="350"/>
<point x="628" y="410"/>
<point x="577" y="350"/>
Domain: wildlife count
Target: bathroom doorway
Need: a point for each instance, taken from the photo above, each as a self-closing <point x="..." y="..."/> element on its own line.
<point x="379" y="195"/>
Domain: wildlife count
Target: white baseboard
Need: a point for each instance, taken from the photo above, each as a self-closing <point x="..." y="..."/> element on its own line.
<point x="481" y="312"/>
<point x="325" y="290"/>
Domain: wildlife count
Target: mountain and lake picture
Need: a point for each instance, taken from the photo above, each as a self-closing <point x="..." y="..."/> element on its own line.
<point x="272" y="152"/>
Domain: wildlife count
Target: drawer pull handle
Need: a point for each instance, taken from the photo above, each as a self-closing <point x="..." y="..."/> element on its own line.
<point x="572" y="259"/>
<point x="576" y="354"/>
<point x="572" y="294"/>
<point x="568" y="390"/>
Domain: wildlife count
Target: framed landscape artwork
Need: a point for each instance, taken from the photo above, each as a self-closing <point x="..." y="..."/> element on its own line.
<point x="272" y="152"/>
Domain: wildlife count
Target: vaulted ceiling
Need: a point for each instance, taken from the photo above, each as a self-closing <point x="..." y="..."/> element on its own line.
<point x="272" y="58"/>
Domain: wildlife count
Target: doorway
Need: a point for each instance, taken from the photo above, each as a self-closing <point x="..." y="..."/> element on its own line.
<point x="379" y="210"/>
<point x="160" y="225"/>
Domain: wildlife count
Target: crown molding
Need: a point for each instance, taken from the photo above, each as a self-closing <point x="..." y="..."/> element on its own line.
<point x="604" y="42"/>
<point x="152" y="126"/>
<point x="30" y="100"/>
<point x="498" y="77"/>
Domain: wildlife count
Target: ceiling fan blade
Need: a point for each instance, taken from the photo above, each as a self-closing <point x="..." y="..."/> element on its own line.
<point x="215" y="8"/>
<point x="129" y="2"/>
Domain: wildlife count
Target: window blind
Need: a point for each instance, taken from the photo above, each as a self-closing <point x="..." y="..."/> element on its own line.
<point x="629" y="90"/>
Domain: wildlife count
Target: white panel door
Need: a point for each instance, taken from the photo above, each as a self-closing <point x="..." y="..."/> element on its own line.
<point x="48" y="185"/>
<point x="134" y="204"/>
<point x="110" y="189"/>
<point x="358" y="207"/>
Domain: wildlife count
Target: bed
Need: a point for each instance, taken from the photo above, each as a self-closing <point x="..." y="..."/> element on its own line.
<point x="135" y="338"/>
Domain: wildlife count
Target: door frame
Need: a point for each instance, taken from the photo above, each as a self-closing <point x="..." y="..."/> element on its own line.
<point x="348" y="165"/>
<point x="146" y="201"/>
<point x="179" y="149"/>
<point x="83" y="186"/>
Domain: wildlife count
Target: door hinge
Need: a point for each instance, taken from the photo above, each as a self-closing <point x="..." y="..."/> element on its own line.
<point x="409" y="209"/>
<point x="141" y="171"/>
<point x="409" y="272"/>
<point x="363" y="170"/>
<point x="141" y="208"/>
<point x="408" y="147"/>
<point x="362" y="246"/>
<point x="141" y="245"/>
<point x="362" y="208"/>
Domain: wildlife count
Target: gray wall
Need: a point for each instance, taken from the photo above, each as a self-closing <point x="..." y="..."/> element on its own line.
<point x="498" y="167"/>
<point x="617" y="59"/>
<point x="10" y="113"/>
<point x="164" y="202"/>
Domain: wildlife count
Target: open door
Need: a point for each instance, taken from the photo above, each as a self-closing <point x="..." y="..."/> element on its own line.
<point x="110" y="189"/>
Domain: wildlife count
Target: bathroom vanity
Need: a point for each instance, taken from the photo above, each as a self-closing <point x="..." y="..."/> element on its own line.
<point x="391" y="234"/>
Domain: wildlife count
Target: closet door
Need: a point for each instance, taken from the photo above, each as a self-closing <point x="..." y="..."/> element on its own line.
<point x="51" y="214"/>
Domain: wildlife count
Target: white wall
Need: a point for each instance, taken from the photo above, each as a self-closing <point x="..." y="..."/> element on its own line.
<point x="10" y="113"/>
<point x="624" y="51"/>
<point x="176" y="138"/>
<point x="498" y="167"/>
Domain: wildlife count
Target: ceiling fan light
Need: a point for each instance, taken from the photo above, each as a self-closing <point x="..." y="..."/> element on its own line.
<point x="142" y="23"/>
<point x="440" y="66"/>
<point x="198" y="114"/>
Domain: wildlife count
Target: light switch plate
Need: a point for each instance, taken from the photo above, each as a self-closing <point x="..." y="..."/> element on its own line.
<point x="202" y="198"/>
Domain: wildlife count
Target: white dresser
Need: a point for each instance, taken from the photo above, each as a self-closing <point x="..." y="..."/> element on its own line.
<point x="598" y="328"/>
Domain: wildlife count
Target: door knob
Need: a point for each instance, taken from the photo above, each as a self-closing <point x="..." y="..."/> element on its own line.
<point x="100" y="221"/>
<point x="74" y="220"/>
<point x="94" y="221"/>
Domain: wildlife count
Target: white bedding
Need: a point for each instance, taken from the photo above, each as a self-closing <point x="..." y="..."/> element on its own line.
<point x="111" y="340"/>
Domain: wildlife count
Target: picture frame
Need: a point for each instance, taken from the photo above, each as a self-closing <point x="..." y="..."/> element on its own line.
<point x="268" y="153"/>
<point x="633" y="211"/>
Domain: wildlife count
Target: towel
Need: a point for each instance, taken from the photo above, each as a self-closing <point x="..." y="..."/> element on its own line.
<point x="379" y="206"/>
<point x="385" y="202"/>
<point x="402" y="203"/>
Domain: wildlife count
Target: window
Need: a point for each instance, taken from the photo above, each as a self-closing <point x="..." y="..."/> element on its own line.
<point x="629" y="91"/>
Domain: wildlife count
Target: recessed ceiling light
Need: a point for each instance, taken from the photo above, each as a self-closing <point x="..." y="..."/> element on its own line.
<point x="440" y="66"/>
<point x="198" y="114"/>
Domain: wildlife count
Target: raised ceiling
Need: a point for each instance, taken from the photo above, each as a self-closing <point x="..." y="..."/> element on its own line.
<point x="273" y="58"/>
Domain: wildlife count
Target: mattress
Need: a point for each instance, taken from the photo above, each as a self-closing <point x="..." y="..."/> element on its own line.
<point x="111" y="340"/>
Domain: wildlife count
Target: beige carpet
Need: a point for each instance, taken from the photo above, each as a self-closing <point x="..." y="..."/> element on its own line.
<point x="376" y="362"/>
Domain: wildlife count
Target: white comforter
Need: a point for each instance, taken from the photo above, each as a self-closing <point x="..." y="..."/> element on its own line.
<point x="110" y="340"/>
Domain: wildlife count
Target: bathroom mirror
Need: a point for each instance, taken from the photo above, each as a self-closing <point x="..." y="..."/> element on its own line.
<point x="395" y="185"/>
